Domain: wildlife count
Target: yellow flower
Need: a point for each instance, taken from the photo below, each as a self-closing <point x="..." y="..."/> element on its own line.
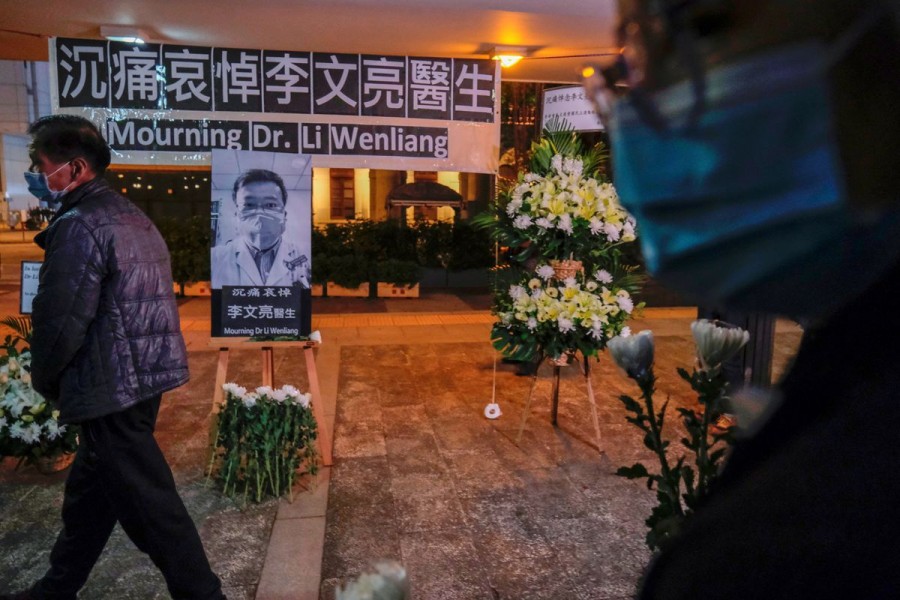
<point x="534" y="283"/>
<point x="27" y="418"/>
<point x="521" y="316"/>
<point x="570" y="292"/>
<point x="557" y="207"/>
<point x="553" y="292"/>
<point x="36" y="410"/>
<point x="55" y="414"/>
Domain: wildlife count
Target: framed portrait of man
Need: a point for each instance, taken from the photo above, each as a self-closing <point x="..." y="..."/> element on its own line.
<point x="260" y="259"/>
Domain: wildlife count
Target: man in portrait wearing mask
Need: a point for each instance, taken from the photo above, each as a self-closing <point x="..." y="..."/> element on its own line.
<point x="106" y="345"/>
<point x="757" y="146"/>
<point x="259" y="256"/>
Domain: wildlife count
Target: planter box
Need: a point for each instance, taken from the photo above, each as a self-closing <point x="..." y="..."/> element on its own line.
<point x="198" y="288"/>
<point x="389" y="290"/>
<point x="455" y="279"/>
<point x="334" y="291"/>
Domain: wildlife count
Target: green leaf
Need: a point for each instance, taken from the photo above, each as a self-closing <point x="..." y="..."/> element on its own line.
<point x="635" y="471"/>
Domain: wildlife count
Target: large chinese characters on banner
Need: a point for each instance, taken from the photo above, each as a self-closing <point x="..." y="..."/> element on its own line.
<point x="400" y="112"/>
<point x="261" y="244"/>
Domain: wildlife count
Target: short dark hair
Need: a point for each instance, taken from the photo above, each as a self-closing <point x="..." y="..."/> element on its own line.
<point x="259" y="176"/>
<point x="62" y="138"/>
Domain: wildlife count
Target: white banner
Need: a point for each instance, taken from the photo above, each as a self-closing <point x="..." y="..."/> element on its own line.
<point x="166" y="104"/>
<point x="569" y="104"/>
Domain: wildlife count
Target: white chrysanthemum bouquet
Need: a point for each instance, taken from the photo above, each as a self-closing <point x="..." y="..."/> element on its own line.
<point x="29" y="426"/>
<point x="262" y="440"/>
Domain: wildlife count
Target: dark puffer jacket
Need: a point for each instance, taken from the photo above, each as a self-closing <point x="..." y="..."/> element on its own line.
<point x="106" y="327"/>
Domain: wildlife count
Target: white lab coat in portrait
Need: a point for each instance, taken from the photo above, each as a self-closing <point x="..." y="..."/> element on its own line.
<point x="233" y="264"/>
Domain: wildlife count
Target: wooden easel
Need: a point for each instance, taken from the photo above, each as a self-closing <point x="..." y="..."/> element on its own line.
<point x="268" y="378"/>
<point x="554" y="407"/>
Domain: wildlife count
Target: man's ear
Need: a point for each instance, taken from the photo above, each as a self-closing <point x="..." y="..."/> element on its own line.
<point x="82" y="171"/>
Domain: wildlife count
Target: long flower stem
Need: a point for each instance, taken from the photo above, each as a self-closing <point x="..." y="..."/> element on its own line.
<point x="647" y="386"/>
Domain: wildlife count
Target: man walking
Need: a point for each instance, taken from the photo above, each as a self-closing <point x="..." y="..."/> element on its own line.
<point x="106" y="345"/>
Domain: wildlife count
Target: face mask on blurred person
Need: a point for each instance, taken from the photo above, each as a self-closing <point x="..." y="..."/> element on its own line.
<point x="745" y="205"/>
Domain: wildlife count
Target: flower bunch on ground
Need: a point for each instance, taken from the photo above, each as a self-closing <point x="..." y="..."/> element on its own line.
<point x="29" y="426"/>
<point x="263" y="438"/>
<point x="680" y="486"/>
<point x="552" y="315"/>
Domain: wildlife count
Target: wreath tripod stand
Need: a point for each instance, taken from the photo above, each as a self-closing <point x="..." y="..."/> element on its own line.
<point x="585" y="366"/>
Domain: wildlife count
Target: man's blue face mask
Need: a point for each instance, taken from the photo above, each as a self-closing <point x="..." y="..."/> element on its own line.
<point x="39" y="187"/>
<point x="744" y="205"/>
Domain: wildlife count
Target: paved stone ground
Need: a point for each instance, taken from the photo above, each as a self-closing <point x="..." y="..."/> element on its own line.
<point x="235" y="539"/>
<point x="422" y="477"/>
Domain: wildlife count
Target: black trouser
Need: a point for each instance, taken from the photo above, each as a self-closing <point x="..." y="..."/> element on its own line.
<point x="120" y="475"/>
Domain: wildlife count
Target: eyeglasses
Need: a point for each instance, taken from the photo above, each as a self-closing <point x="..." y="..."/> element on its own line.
<point x="271" y="207"/>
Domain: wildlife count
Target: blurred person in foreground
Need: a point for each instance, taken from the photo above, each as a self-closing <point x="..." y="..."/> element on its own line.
<point x="757" y="145"/>
<point x="106" y="344"/>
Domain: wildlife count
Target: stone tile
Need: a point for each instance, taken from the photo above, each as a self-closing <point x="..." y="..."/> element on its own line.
<point x="294" y="559"/>
<point x="236" y="542"/>
<point x="426" y="503"/>
<point x="358" y="439"/>
<point x="417" y="454"/>
<point x="359" y="482"/>
<point x="310" y="497"/>
<point x="409" y="420"/>
<point x="444" y="565"/>
<point x="600" y="559"/>
<point x="482" y="474"/>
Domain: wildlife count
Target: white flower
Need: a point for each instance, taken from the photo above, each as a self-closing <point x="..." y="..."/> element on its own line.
<point x="545" y="272"/>
<point x="603" y="276"/>
<point x="564" y="324"/>
<point x="628" y="231"/>
<point x="544" y="223"/>
<point x="596" y="225"/>
<point x="52" y="428"/>
<point x="516" y="292"/>
<point x="590" y="286"/>
<point x="565" y="223"/>
<point x="532" y="323"/>
<point x="570" y="282"/>
<point x="626" y="332"/>
<point x="234" y="389"/>
<point x="717" y="343"/>
<point x="633" y="354"/>
<point x="32" y="433"/>
<point x="612" y="232"/>
<point x="263" y="391"/>
<point x="388" y="583"/>
<point x="16" y="431"/>
<point x="557" y="163"/>
<point x="26" y="378"/>
<point x="3" y="423"/>
<point x="315" y="336"/>
<point x="625" y="303"/>
<point x="522" y="222"/>
<point x="290" y="390"/>
<point x="249" y="400"/>
<point x="303" y="400"/>
<point x="279" y="396"/>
